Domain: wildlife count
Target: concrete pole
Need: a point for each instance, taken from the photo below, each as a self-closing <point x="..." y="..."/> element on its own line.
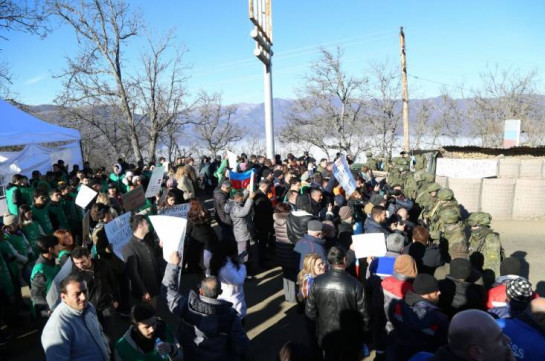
<point x="269" y="129"/>
<point x="405" y="91"/>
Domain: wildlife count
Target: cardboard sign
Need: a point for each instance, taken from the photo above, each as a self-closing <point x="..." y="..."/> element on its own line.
<point x="232" y="157"/>
<point x="344" y="176"/>
<point x="85" y="196"/>
<point x="171" y="233"/>
<point x="119" y="233"/>
<point x="252" y="182"/>
<point x="369" y="245"/>
<point x="179" y="210"/>
<point x="86" y="239"/>
<point x="154" y="185"/>
<point x="134" y="199"/>
<point x="53" y="296"/>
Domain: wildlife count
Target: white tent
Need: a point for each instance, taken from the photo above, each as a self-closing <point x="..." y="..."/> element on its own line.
<point x="20" y="128"/>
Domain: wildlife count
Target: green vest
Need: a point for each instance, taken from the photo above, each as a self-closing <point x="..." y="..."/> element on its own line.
<point x="18" y="242"/>
<point x="48" y="271"/>
<point x="127" y="352"/>
<point x="28" y="195"/>
<point x="32" y="233"/>
<point x="62" y="253"/>
<point x="58" y="212"/>
<point x="12" y="207"/>
<point x="42" y="217"/>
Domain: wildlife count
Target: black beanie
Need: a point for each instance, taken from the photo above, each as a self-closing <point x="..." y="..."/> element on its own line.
<point x="460" y="269"/>
<point x="510" y="266"/>
<point x="424" y="284"/>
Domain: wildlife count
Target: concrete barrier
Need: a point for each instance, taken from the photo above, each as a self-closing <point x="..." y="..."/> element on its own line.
<point x="497" y="197"/>
<point x="531" y="169"/>
<point x="509" y="168"/>
<point x="467" y="192"/>
<point x="529" y="200"/>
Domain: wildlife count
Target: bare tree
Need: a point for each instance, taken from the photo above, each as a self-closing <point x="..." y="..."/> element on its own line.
<point x="161" y="91"/>
<point x="215" y="123"/>
<point x="424" y="127"/>
<point x="97" y="74"/>
<point x="384" y="111"/>
<point x="328" y="112"/>
<point x="504" y="94"/>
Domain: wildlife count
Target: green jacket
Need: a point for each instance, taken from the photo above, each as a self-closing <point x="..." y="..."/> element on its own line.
<point x="41" y="215"/>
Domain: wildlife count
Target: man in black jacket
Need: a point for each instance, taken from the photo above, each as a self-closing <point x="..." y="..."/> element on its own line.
<point x="263" y="220"/>
<point x="141" y="262"/>
<point x="221" y="196"/>
<point x="336" y="302"/>
<point x="102" y="286"/>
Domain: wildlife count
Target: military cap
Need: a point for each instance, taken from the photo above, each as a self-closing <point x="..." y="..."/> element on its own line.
<point x="434" y="187"/>
<point x="479" y="219"/>
<point x="445" y="194"/>
<point x="450" y="215"/>
<point x="427" y="177"/>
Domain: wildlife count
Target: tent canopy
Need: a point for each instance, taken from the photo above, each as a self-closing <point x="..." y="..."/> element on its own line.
<point x="20" y="128"/>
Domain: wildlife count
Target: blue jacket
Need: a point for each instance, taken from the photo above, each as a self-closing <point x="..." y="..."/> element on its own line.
<point x="309" y="244"/>
<point x="371" y="226"/>
<point x="527" y="342"/>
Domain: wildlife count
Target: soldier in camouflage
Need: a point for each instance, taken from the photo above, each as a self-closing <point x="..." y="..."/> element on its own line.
<point x="450" y="226"/>
<point x="426" y="200"/>
<point x="423" y="180"/>
<point x="371" y="162"/>
<point x="485" y="241"/>
<point x="445" y="199"/>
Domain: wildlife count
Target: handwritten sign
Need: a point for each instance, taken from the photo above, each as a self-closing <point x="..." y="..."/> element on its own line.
<point x="85" y="196"/>
<point x="134" y="199"/>
<point x="53" y="296"/>
<point x="232" y="158"/>
<point x="179" y="210"/>
<point x="466" y="168"/>
<point x="369" y="245"/>
<point x="119" y="233"/>
<point x="171" y="233"/>
<point x="154" y="185"/>
<point x="344" y="176"/>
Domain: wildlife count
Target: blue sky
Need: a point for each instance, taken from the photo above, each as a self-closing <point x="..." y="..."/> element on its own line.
<point x="447" y="42"/>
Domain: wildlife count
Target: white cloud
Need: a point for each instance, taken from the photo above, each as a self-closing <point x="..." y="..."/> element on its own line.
<point x="36" y="79"/>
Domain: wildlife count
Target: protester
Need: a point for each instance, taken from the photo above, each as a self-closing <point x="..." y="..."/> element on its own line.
<point x="200" y="235"/>
<point x="313" y="266"/>
<point x="43" y="273"/>
<point x="66" y="245"/>
<point x="312" y="242"/>
<point x="285" y="256"/>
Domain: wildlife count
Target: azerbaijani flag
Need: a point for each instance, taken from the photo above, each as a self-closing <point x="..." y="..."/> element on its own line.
<point x="241" y="180"/>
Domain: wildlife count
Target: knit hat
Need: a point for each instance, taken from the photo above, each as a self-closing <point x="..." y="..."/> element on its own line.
<point x="519" y="289"/>
<point x="458" y="250"/>
<point x="406" y="266"/>
<point x="460" y="268"/>
<point x="315" y="226"/>
<point x="9" y="219"/>
<point x="340" y="200"/>
<point x="266" y="173"/>
<point x="510" y="266"/>
<point x="376" y="199"/>
<point x="424" y="284"/>
<point x="346" y="212"/>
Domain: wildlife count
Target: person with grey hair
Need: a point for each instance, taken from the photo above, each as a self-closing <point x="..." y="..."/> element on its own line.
<point x="384" y="266"/>
<point x="312" y="242"/>
<point x="211" y="330"/>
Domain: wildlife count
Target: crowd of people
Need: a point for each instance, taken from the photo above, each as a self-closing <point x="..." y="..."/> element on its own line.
<point x="444" y="290"/>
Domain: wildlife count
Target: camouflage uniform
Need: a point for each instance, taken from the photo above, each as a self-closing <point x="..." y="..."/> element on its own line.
<point x="423" y="180"/>
<point x="451" y="228"/>
<point x="485" y="241"/>
<point x="426" y="201"/>
<point x="409" y="185"/>
<point x="371" y="162"/>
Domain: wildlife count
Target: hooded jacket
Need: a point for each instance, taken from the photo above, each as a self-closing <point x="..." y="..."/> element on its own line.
<point x="241" y="216"/>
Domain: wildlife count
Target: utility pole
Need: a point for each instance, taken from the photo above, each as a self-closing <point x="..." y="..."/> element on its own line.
<point x="405" y="90"/>
<point x="261" y="17"/>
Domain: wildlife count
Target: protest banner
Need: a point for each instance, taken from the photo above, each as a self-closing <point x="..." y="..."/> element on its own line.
<point x="134" y="199"/>
<point x="154" y="185"/>
<point x="85" y="196"/>
<point x="344" y="176"/>
<point x="53" y="296"/>
<point x="369" y="245"/>
<point x="85" y="228"/>
<point x="232" y="158"/>
<point x="171" y="233"/>
<point x="119" y="233"/>
<point x="179" y="210"/>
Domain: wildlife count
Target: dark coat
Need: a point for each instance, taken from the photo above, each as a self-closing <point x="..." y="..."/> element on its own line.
<point x="263" y="213"/>
<point x="101" y="284"/>
<point x="297" y="224"/>
<point x="458" y="296"/>
<point x="336" y="301"/>
<point x="220" y="199"/>
<point x="371" y="226"/>
<point x="142" y="267"/>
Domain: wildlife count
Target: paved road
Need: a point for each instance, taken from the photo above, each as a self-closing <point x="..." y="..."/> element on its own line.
<point x="271" y="322"/>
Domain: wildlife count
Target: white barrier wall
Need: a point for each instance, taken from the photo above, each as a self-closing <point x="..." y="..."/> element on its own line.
<point x="497" y="197"/>
<point x="467" y="192"/>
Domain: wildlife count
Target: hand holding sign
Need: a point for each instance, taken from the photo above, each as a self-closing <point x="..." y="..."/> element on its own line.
<point x="85" y="196"/>
<point x="369" y="245"/>
<point x="171" y="232"/>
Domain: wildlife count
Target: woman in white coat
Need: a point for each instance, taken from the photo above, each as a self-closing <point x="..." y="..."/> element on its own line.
<point x="227" y="266"/>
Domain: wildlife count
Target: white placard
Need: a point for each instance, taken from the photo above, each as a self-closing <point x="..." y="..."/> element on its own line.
<point x="466" y="168"/>
<point x="344" y="176"/>
<point x="232" y="157"/>
<point x="53" y="296"/>
<point x="171" y="232"/>
<point x="369" y="245"/>
<point x="179" y="210"/>
<point x="119" y="233"/>
<point x="252" y="176"/>
<point x="85" y="196"/>
<point x="154" y="185"/>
